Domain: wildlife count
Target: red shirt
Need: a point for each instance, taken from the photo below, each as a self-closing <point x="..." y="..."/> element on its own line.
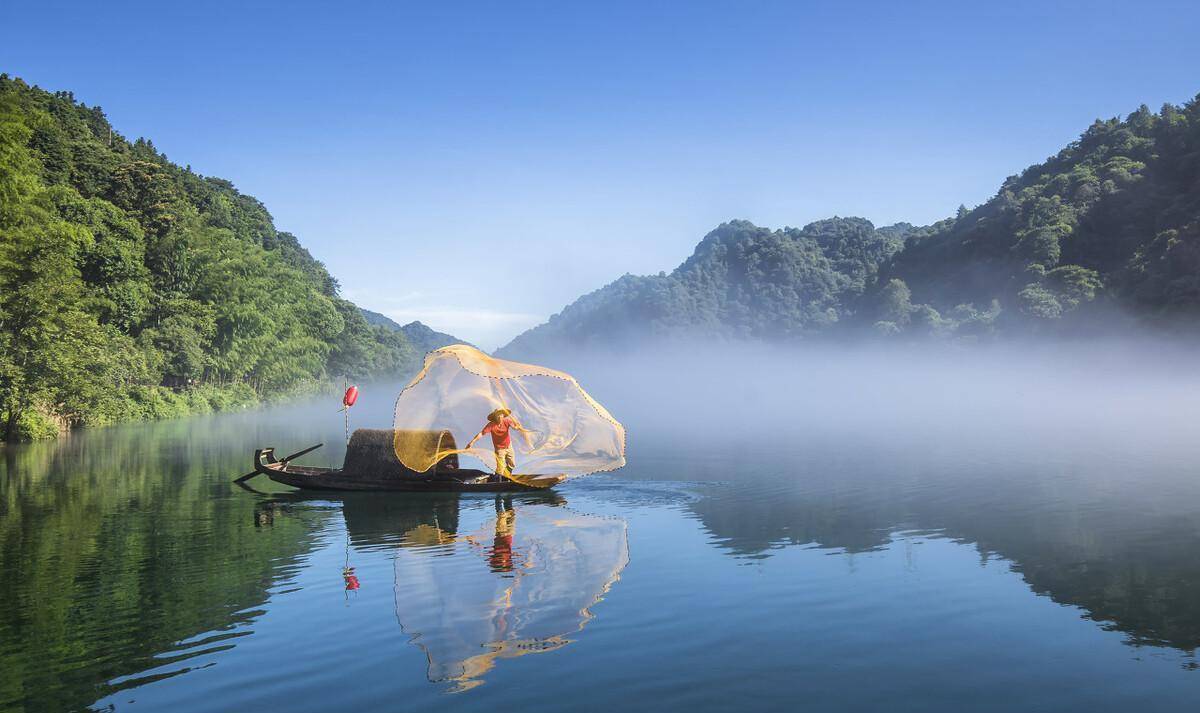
<point x="499" y="431"/>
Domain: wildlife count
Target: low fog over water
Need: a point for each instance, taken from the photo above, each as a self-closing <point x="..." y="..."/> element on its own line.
<point x="1143" y="389"/>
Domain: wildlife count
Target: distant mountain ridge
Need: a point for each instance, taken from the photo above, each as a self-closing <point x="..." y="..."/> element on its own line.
<point x="422" y="337"/>
<point x="1106" y="231"/>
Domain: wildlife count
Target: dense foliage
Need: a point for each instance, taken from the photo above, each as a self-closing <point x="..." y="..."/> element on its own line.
<point x="1113" y="218"/>
<point x="131" y="287"/>
<point x="1104" y="232"/>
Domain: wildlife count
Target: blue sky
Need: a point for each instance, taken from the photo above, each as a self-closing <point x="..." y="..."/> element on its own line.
<point x="479" y="165"/>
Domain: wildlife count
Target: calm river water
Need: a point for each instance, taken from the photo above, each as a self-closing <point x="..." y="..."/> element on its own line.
<point x="947" y="567"/>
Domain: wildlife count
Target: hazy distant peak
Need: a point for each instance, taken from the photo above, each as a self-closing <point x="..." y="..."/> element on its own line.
<point x="423" y="337"/>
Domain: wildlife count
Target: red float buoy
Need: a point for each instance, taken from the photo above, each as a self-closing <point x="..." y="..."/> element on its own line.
<point x="350" y="397"/>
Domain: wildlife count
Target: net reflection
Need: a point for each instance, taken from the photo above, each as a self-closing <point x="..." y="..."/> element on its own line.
<point x="522" y="583"/>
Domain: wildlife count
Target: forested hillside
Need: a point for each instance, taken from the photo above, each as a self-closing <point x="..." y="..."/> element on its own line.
<point x="131" y="287"/>
<point x="423" y="338"/>
<point x="742" y="281"/>
<point x="1105" y="232"/>
<point x="1113" y="218"/>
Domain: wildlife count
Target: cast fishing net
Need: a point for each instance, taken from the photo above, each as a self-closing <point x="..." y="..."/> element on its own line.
<point x="568" y="432"/>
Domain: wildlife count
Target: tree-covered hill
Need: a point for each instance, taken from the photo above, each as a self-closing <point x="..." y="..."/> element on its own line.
<point x="1107" y="230"/>
<point x="742" y="281"/>
<point x="131" y="287"/>
<point x="422" y="337"/>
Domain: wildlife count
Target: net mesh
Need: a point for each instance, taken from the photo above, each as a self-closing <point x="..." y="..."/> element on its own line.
<point x="566" y="432"/>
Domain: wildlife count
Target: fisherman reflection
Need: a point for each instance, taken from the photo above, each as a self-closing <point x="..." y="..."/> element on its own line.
<point x="501" y="556"/>
<point x="471" y="600"/>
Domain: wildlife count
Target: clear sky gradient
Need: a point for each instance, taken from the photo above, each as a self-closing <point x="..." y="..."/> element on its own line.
<point x="479" y="165"/>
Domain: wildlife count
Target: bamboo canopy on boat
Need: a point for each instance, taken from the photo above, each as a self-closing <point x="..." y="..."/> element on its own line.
<point x="569" y="433"/>
<point x="373" y="451"/>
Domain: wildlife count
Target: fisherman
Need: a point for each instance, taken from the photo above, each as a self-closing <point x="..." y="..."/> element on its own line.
<point x="499" y="423"/>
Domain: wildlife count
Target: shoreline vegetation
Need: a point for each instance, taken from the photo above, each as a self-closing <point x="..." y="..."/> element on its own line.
<point x="132" y="288"/>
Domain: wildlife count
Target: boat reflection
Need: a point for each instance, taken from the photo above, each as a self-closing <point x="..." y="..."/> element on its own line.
<point x="524" y="582"/>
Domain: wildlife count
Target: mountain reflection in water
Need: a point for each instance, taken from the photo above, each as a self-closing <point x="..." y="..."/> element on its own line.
<point x="1080" y="519"/>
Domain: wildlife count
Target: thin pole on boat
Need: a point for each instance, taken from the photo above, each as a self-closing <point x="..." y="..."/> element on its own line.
<point x="348" y="400"/>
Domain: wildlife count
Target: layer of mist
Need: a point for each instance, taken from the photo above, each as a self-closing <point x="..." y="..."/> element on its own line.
<point x="1053" y="390"/>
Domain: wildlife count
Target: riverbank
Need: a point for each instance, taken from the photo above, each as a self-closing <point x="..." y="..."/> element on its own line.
<point x="151" y="403"/>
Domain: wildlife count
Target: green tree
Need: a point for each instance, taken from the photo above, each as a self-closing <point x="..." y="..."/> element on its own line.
<point x="50" y="346"/>
<point x="895" y="303"/>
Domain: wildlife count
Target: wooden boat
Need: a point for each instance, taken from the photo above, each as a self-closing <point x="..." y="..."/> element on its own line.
<point x="371" y="464"/>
